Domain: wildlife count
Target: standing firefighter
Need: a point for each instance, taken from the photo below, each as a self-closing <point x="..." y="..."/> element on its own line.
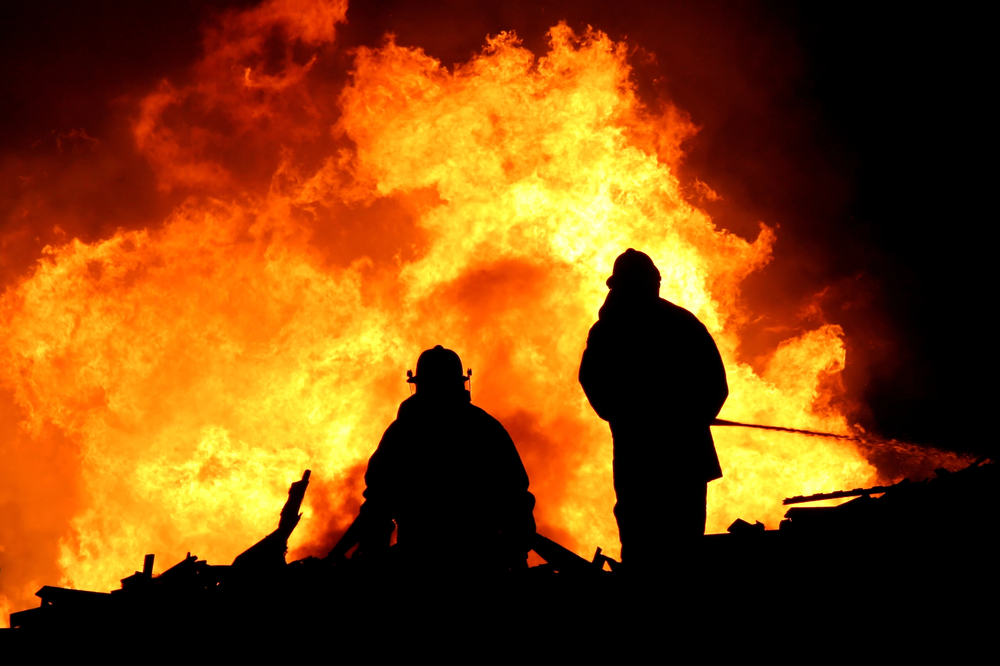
<point x="449" y="476"/>
<point x="652" y="370"/>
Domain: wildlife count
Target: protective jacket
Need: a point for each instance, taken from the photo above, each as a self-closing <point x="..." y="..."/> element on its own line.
<point x="449" y="475"/>
<point x="652" y="370"/>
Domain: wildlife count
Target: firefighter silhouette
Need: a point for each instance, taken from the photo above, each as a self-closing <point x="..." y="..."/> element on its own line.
<point x="652" y="370"/>
<point x="450" y="477"/>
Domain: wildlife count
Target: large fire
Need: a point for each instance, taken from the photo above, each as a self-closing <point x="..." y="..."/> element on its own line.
<point x="183" y="375"/>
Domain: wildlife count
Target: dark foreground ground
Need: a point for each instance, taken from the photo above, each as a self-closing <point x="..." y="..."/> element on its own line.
<point x="911" y="572"/>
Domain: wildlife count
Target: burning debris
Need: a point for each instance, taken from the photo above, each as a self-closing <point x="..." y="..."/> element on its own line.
<point x="942" y="523"/>
<point x="907" y="545"/>
<point x="195" y="589"/>
<point x="189" y="586"/>
<point x="957" y="507"/>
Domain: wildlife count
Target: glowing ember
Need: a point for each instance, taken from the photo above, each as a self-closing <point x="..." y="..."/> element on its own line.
<point x="192" y="371"/>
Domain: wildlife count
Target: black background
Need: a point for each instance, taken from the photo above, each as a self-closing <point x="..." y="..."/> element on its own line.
<point x="862" y="135"/>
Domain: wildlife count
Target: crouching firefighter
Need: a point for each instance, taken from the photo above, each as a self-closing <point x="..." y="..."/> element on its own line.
<point x="449" y="477"/>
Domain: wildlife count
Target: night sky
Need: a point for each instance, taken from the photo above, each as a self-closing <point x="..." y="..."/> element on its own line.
<point x="859" y="135"/>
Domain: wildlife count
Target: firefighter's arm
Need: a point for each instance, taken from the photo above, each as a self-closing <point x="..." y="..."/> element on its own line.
<point x="595" y="374"/>
<point x="715" y="388"/>
<point x="517" y="520"/>
<point x="376" y="514"/>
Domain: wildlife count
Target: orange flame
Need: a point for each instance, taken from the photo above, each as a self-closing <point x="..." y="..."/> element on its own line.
<point x="333" y="230"/>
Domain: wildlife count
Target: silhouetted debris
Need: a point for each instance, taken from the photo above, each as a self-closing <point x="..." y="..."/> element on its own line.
<point x="839" y="494"/>
<point x="914" y="548"/>
<point x="140" y="578"/>
<point x="195" y="593"/>
<point x="741" y="526"/>
<point x="349" y="540"/>
<point x="190" y="586"/>
<point x="563" y="560"/>
<point x="960" y="503"/>
<point x="905" y="541"/>
<point x="269" y="552"/>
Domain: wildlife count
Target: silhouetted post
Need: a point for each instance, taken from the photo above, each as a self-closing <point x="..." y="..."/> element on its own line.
<point x="652" y="370"/>
<point x="269" y="552"/>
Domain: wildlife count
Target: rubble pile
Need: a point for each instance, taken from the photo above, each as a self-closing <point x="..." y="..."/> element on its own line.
<point x="911" y="537"/>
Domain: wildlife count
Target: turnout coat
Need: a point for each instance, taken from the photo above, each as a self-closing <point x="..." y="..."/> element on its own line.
<point x="450" y="477"/>
<point x="653" y="371"/>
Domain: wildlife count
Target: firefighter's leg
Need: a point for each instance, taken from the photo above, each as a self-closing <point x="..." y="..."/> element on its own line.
<point x="640" y="534"/>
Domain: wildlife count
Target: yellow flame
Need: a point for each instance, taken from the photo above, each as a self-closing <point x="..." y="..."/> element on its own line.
<point x="202" y="365"/>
